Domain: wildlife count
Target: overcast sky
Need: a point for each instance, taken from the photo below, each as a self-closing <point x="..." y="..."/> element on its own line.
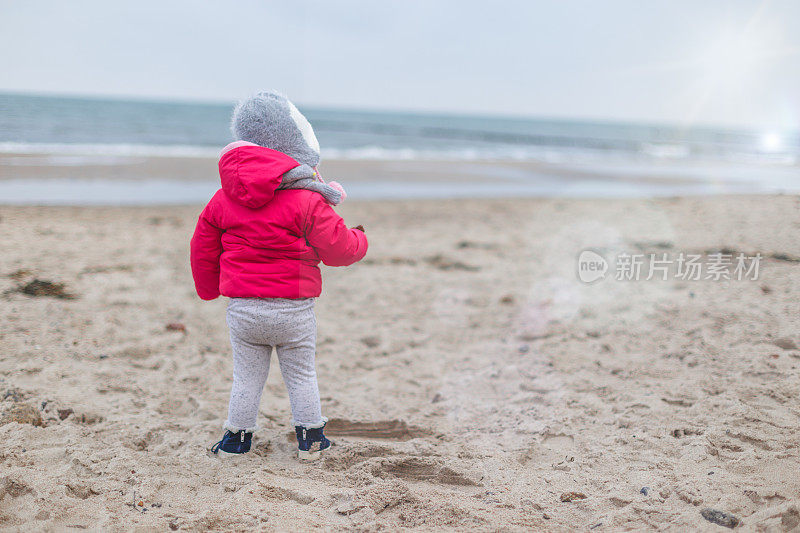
<point x="717" y="62"/>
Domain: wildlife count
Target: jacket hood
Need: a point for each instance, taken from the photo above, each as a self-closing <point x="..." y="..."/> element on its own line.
<point x="250" y="174"/>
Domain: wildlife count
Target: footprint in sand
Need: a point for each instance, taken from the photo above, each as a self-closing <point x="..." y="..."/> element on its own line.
<point x="423" y="469"/>
<point x="286" y="494"/>
<point x="347" y="457"/>
<point x="397" y="430"/>
<point x="13" y="487"/>
<point x="80" y="492"/>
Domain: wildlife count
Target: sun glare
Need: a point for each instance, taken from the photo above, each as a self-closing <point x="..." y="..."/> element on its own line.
<point x="734" y="64"/>
<point x="771" y="142"/>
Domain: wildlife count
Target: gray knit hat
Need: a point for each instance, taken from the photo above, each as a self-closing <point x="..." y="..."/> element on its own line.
<point x="270" y="120"/>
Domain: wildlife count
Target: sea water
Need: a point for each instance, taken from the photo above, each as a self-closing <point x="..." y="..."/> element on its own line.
<point x="606" y="156"/>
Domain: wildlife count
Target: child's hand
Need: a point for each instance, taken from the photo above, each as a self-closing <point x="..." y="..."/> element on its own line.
<point x="360" y="228"/>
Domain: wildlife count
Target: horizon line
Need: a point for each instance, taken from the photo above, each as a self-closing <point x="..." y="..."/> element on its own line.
<point x="730" y="128"/>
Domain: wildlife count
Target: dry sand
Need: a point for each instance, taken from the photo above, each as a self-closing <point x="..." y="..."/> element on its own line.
<point x="471" y="379"/>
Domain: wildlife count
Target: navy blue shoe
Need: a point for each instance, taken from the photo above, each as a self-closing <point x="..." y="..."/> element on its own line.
<point x="233" y="443"/>
<point x="311" y="442"/>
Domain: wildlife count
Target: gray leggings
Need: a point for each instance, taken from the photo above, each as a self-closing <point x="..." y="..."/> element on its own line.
<point x="257" y="325"/>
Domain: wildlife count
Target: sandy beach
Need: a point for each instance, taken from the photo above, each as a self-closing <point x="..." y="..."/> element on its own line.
<point x="472" y="381"/>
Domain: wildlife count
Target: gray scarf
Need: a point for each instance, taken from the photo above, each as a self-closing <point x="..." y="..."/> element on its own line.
<point x="305" y="177"/>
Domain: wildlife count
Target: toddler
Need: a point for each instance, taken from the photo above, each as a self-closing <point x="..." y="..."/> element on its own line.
<point x="259" y="241"/>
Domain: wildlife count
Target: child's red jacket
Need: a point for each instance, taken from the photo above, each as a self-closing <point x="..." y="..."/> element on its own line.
<point x="253" y="240"/>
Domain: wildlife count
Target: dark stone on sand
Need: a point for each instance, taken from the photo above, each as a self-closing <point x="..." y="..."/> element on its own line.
<point x="780" y="256"/>
<point x="444" y="263"/>
<point x="176" y="326"/>
<point x="720" y="518"/>
<point x="64" y="413"/>
<point x="785" y="343"/>
<point x="371" y="341"/>
<point x="645" y="490"/>
<point x="572" y="496"/>
<point x="41" y="287"/>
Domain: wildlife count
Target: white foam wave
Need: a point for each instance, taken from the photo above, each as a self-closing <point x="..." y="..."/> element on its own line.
<point x="103" y="154"/>
<point x="502" y="153"/>
<point x="123" y="150"/>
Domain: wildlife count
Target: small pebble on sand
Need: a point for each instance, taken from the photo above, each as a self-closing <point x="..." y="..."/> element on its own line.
<point x="720" y="518"/>
<point x="572" y="496"/>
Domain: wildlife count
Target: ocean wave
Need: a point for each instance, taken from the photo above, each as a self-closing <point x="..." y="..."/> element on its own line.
<point x="103" y="153"/>
<point x="100" y="149"/>
<point x="63" y="130"/>
<point x="69" y="154"/>
<point x="544" y="154"/>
